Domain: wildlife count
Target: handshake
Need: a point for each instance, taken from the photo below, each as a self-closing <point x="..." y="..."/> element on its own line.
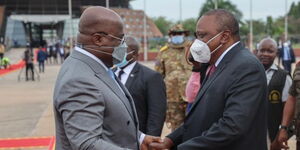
<point x="156" y="143"/>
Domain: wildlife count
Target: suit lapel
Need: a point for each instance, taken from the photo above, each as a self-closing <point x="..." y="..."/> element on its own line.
<point x="205" y="86"/>
<point x="102" y="74"/>
<point x="116" y="89"/>
<point x="132" y="75"/>
<point x="208" y="82"/>
<point x="129" y="99"/>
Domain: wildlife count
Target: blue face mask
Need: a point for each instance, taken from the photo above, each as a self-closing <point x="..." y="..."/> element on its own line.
<point x="177" y="39"/>
<point x="118" y="55"/>
<point x="124" y="61"/>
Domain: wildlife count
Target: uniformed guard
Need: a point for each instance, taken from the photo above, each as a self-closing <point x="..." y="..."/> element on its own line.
<point x="291" y="111"/>
<point x="171" y="63"/>
<point x="279" y="82"/>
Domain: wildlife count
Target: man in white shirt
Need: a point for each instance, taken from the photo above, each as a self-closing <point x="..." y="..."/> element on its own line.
<point x="147" y="89"/>
<point x="279" y="82"/>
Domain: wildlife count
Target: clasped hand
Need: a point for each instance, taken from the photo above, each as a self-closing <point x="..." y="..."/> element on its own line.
<point x="156" y="143"/>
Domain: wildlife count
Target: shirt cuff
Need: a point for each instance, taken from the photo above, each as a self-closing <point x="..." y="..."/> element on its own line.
<point x="141" y="139"/>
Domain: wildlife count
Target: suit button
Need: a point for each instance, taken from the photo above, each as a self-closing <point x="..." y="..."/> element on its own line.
<point x="128" y="122"/>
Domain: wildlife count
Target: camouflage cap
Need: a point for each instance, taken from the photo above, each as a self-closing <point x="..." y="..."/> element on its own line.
<point x="178" y="28"/>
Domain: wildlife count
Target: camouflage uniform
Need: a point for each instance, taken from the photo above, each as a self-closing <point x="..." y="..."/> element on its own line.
<point x="171" y="63"/>
<point x="295" y="92"/>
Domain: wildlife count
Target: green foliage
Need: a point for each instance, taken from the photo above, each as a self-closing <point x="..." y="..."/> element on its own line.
<point x="273" y="27"/>
<point x="156" y="43"/>
<point x="190" y="25"/>
<point x="270" y="26"/>
<point x="163" y="24"/>
<point x="295" y="10"/>
<point x="222" y="4"/>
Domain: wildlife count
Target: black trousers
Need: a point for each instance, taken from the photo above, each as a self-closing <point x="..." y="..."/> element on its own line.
<point x="29" y="67"/>
<point x="287" y="65"/>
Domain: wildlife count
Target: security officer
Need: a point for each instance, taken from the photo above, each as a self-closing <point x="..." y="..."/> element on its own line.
<point x="279" y="82"/>
<point x="171" y="63"/>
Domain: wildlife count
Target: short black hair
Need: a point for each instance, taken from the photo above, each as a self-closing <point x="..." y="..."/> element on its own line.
<point x="225" y="20"/>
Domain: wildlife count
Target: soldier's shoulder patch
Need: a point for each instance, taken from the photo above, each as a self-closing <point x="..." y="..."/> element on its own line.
<point x="164" y="48"/>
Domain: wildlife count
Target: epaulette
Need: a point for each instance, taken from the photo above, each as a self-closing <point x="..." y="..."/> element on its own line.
<point x="164" y="48"/>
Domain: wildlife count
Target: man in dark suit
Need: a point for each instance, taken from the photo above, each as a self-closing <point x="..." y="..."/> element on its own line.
<point x="147" y="89"/>
<point x="230" y="110"/>
<point x="286" y="54"/>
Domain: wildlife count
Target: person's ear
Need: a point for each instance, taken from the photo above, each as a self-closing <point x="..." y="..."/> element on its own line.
<point x="136" y="55"/>
<point x="225" y="37"/>
<point x="98" y="39"/>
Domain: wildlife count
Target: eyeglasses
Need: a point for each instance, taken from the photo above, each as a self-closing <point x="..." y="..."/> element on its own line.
<point x="112" y="36"/>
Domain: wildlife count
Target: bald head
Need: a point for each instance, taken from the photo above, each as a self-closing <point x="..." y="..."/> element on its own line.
<point x="98" y="19"/>
<point x="225" y="21"/>
<point x="132" y="44"/>
<point x="267" y="51"/>
<point x="100" y="31"/>
<point x="267" y="41"/>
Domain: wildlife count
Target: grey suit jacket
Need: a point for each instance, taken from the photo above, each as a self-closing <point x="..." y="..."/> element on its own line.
<point x="91" y="111"/>
<point x="230" y="110"/>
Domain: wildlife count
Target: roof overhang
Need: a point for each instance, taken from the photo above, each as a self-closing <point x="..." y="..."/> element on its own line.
<point x="42" y="19"/>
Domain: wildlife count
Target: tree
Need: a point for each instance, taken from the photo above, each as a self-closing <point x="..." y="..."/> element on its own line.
<point x="163" y="24"/>
<point x="222" y="4"/>
<point x="294" y="10"/>
<point x="190" y="25"/>
<point x="270" y="26"/>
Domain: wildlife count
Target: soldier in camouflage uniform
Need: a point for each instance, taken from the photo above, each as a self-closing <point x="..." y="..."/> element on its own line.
<point x="291" y="111"/>
<point x="172" y="64"/>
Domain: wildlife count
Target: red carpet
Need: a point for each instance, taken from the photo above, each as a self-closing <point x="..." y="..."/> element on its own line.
<point x="37" y="142"/>
<point x="12" y="67"/>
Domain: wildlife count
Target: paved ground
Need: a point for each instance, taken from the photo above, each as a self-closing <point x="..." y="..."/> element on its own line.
<point x="26" y="107"/>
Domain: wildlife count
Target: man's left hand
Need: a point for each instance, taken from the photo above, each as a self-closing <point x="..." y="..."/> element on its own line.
<point x="149" y="139"/>
<point x="275" y="145"/>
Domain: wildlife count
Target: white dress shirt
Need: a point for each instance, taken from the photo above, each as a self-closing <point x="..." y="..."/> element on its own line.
<point x="91" y="56"/>
<point x="224" y="53"/>
<point x="127" y="70"/>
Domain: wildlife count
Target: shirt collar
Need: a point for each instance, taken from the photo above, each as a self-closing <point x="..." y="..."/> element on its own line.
<point x="91" y="56"/>
<point x="224" y="53"/>
<point x="128" y="68"/>
<point x="273" y="67"/>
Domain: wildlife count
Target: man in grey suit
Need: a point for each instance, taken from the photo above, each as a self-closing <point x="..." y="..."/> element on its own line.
<point x="230" y="110"/>
<point x="147" y="88"/>
<point x="93" y="110"/>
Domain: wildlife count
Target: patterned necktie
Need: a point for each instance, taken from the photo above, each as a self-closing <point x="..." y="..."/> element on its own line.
<point x="211" y="69"/>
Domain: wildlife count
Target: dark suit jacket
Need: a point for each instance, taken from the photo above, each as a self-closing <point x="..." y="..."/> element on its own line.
<point x="281" y="53"/>
<point x="149" y="94"/>
<point x="230" y="111"/>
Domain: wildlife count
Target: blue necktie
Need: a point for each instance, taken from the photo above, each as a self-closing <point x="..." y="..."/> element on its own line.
<point x="111" y="74"/>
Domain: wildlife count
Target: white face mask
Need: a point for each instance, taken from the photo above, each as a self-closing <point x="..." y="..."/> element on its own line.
<point x="200" y="50"/>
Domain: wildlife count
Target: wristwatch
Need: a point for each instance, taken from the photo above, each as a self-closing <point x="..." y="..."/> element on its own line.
<point x="283" y="127"/>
